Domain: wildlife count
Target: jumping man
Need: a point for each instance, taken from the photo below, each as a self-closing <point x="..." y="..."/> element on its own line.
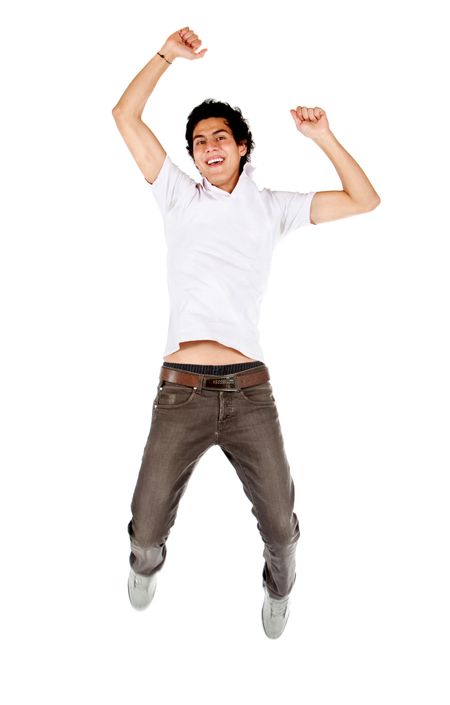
<point x="213" y="386"/>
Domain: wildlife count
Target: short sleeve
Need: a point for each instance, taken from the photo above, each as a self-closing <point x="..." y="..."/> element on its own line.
<point x="294" y="210"/>
<point x="172" y="186"/>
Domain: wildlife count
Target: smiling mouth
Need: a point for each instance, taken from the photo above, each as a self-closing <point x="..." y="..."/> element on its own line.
<point x="215" y="164"/>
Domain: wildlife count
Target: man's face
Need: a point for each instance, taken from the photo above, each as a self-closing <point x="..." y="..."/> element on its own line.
<point x="213" y="139"/>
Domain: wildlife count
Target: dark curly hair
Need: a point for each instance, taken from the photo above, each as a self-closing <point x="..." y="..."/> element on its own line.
<point x="234" y="118"/>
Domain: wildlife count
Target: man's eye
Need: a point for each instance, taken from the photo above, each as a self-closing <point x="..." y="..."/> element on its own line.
<point x="220" y="137"/>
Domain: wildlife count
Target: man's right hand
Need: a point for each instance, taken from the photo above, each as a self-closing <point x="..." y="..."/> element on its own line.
<point x="183" y="43"/>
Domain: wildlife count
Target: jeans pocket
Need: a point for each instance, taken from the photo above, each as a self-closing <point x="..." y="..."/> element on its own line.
<point x="259" y="394"/>
<point x="171" y="395"/>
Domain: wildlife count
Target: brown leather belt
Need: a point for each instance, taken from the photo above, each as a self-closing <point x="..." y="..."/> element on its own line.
<point x="222" y="383"/>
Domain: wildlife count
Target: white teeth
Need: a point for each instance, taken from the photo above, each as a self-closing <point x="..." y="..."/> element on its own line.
<point x="214" y="161"/>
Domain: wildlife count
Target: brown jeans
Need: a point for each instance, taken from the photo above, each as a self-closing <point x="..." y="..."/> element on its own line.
<point x="245" y="424"/>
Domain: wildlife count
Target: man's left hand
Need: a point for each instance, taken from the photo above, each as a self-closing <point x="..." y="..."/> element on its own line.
<point x="311" y="122"/>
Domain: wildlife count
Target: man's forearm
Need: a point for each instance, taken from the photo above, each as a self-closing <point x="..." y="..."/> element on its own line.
<point x="354" y="180"/>
<point x="133" y="100"/>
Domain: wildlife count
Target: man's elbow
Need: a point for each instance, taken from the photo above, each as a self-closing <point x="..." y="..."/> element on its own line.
<point x="120" y="113"/>
<point x="371" y="205"/>
<point x="119" y="110"/>
<point x="376" y="202"/>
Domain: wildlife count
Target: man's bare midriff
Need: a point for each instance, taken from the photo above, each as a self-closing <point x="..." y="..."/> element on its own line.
<point x="206" y="352"/>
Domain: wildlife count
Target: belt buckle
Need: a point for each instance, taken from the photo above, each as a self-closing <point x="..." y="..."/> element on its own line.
<point x="225" y="383"/>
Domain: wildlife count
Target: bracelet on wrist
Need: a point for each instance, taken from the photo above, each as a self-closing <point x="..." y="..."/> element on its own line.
<point x="163" y="57"/>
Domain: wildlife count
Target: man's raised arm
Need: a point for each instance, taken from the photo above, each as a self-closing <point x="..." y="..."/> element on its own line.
<point x="146" y="149"/>
<point x="357" y="195"/>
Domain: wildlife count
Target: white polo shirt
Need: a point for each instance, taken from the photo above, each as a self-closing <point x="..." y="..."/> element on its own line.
<point x="219" y="251"/>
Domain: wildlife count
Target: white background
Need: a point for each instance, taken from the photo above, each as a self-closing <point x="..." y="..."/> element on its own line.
<point x="354" y="329"/>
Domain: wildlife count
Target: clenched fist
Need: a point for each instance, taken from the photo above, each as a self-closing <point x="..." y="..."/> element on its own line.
<point x="311" y="122"/>
<point x="183" y="43"/>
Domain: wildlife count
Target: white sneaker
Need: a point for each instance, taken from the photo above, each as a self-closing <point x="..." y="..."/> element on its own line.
<point x="141" y="589"/>
<point x="275" y="614"/>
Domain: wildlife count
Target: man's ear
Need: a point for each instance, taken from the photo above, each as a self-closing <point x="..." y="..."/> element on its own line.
<point x="243" y="151"/>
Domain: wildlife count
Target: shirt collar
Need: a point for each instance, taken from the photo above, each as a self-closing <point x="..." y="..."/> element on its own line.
<point x="247" y="172"/>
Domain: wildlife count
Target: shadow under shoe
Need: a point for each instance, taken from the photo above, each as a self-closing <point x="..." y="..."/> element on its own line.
<point x="141" y="589"/>
<point x="275" y="614"/>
